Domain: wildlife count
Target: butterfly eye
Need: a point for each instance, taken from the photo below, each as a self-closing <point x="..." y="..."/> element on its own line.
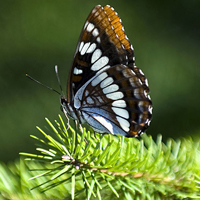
<point x="105" y="89"/>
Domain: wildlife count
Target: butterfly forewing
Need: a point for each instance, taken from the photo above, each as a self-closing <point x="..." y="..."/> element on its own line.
<point x="105" y="88"/>
<point x="102" y="43"/>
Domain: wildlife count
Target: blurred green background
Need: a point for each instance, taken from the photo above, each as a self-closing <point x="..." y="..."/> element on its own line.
<point x="37" y="35"/>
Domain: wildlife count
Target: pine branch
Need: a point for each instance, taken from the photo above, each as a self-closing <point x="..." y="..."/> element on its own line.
<point x="81" y="165"/>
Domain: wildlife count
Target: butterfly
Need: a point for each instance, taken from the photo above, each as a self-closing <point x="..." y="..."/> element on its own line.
<point x="105" y="89"/>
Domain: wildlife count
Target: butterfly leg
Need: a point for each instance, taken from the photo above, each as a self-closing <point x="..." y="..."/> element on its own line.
<point x="95" y="136"/>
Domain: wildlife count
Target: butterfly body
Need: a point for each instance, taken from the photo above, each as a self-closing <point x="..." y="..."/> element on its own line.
<point x="105" y="89"/>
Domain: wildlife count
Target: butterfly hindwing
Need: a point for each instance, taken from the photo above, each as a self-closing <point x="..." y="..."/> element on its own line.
<point x="114" y="100"/>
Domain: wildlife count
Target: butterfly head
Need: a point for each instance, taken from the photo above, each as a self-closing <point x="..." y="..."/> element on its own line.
<point x="69" y="110"/>
<point x="66" y="108"/>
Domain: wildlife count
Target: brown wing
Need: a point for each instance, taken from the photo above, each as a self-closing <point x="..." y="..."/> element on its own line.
<point x="102" y="43"/>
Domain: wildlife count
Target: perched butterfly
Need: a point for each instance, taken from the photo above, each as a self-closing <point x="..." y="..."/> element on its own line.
<point x="105" y="89"/>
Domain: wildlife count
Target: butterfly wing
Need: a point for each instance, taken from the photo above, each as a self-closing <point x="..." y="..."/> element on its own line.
<point x="114" y="101"/>
<point x="102" y="44"/>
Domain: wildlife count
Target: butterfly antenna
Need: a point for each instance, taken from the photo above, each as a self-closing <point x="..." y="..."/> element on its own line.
<point x="58" y="78"/>
<point x="42" y="84"/>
